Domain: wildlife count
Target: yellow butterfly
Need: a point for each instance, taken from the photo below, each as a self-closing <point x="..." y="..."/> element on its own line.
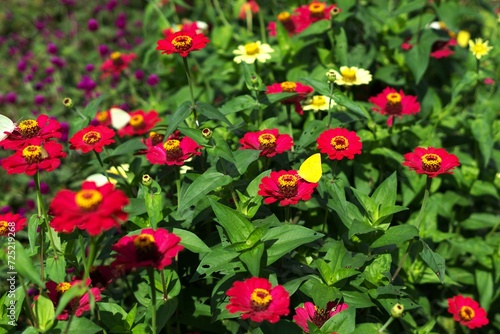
<point x="310" y="170"/>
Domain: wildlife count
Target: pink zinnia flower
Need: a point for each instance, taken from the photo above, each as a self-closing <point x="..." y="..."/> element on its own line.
<point x="11" y="223"/>
<point x="311" y="313"/>
<point x="339" y="143"/>
<point x="467" y="312"/>
<point x="268" y="140"/>
<point x="256" y="299"/>
<point x="140" y="123"/>
<point x="442" y="49"/>
<point x="173" y="151"/>
<point x="392" y="103"/>
<point x="287" y="187"/>
<point x="431" y="161"/>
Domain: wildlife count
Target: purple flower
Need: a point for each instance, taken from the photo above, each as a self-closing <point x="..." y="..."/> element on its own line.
<point x="5" y="209"/>
<point x="11" y="97"/>
<point x="39" y="100"/>
<point x="59" y="62"/>
<point x="49" y="70"/>
<point x="153" y="80"/>
<point x="48" y="80"/>
<point x="21" y="66"/>
<point x="111" y="5"/>
<point x="139" y="75"/>
<point x="52" y="48"/>
<point x="86" y="84"/>
<point x="89" y="67"/>
<point x="28" y="78"/>
<point x="103" y="50"/>
<point x="121" y="21"/>
<point x="38" y="86"/>
<point x="64" y="132"/>
<point x="93" y="25"/>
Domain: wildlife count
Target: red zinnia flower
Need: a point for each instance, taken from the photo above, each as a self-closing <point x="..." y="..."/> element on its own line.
<point x="182" y="42"/>
<point x="285" y="186"/>
<point x="291" y="87"/>
<point x="441" y="49"/>
<point x="269" y="141"/>
<point x="431" y="161"/>
<point x="93" y="209"/>
<point x="140" y="123"/>
<point x="33" y="157"/>
<point x="292" y="24"/>
<point x="92" y="138"/>
<point x="43" y="127"/>
<point x="258" y="300"/>
<point x="316" y="11"/>
<point x="150" y="248"/>
<point x="250" y="6"/>
<point x="311" y="313"/>
<point x="339" y="143"/>
<point x="173" y="151"/>
<point x="76" y="306"/>
<point x="392" y="103"/>
<point x="11" y="223"/>
<point x="467" y="312"/>
<point x="116" y="63"/>
<point x="103" y="118"/>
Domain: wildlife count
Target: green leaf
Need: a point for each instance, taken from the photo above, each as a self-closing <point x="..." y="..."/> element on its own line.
<point x="56" y="268"/>
<point x="191" y="241"/>
<point x="75" y="291"/>
<point x="485" y="286"/>
<point x="482" y="130"/>
<point x="44" y="312"/>
<point x="396" y="235"/>
<point x="283" y="239"/>
<point x="386" y="193"/>
<point x="217" y="260"/>
<point x="237" y="104"/>
<point x="154" y="205"/>
<point x="267" y="99"/>
<point x="253" y="187"/>
<point x="342" y="322"/>
<point x="311" y="132"/>
<point x="33" y="223"/>
<point x="210" y="112"/>
<point x="343" y="100"/>
<point x="178" y="117"/>
<point x="367" y="203"/>
<point x="91" y="109"/>
<point x="243" y="159"/>
<point x="131" y="316"/>
<point x="341" y="46"/>
<point x="24" y="266"/>
<point x="128" y="147"/>
<point x="482" y="188"/>
<point x="417" y="58"/>
<point x="79" y="325"/>
<point x="321" y="87"/>
<point x="237" y="227"/>
<point x="251" y="258"/>
<point x="479" y="221"/>
<point x="434" y="261"/>
<point x="204" y="184"/>
<point x="316" y="28"/>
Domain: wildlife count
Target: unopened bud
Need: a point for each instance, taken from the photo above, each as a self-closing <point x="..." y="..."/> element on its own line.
<point x="207" y="133"/>
<point x="335" y="11"/>
<point x="146" y="180"/>
<point x="397" y="310"/>
<point x="68" y="103"/>
<point x="331" y="76"/>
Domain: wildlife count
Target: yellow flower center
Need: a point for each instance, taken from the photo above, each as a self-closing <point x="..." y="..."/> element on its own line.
<point x="318" y="101"/>
<point x="267" y="140"/>
<point x="137" y="121"/>
<point x="316" y="9"/>
<point x="284" y="16"/>
<point x="288" y="86"/>
<point x="182" y="42"/>
<point x="102" y="116"/>
<point x="88" y="199"/>
<point x="339" y="143"/>
<point x="260" y="299"/>
<point x="431" y="162"/>
<point x="28" y="128"/>
<point x="467" y="313"/>
<point x="287" y="185"/>
<point x="91" y="137"/>
<point x="173" y="149"/>
<point x="348" y="74"/>
<point x="3" y="227"/>
<point x="34" y="154"/>
<point x="252" y="49"/>
<point x="144" y="241"/>
<point x="63" y="287"/>
<point x="393" y="98"/>
<point x="115" y="55"/>
<point x="156" y="138"/>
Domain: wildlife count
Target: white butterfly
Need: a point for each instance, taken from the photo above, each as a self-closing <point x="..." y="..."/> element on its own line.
<point x="119" y="118"/>
<point x="6" y="125"/>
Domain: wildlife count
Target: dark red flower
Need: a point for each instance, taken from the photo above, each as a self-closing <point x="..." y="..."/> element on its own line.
<point x="33" y="157"/>
<point x="102" y="276"/>
<point x="339" y="143"/>
<point x="173" y="151"/>
<point x="256" y="299"/>
<point x="77" y="306"/>
<point x="467" y="312"/>
<point x="11" y="223"/>
<point x="287" y="187"/>
<point x="150" y="248"/>
<point x="140" y="123"/>
<point x="43" y="128"/>
<point x="431" y="161"/>
<point x="392" y="103"/>
<point x="268" y="140"/>
<point x="291" y="87"/>
<point x="92" y="138"/>
<point x="312" y="313"/>
<point x="182" y="42"/>
<point x="93" y="209"/>
<point x="442" y="49"/>
<point x="116" y="63"/>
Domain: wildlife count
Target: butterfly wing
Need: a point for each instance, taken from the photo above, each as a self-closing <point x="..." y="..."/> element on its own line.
<point x="310" y="170"/>
<point x="119" y="118"/>
<point x="6" y="125"/>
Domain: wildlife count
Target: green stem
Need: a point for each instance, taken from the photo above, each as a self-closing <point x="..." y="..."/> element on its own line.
<point x="387" y="323"/>
<point x="99" y="158"/>
<point x="419" y="220"/>
<point x="219" y="11"/>
<point x="330" y="106"/>
<point x="191" y="91"/>
<point x="91" y="257"/>
<point x="178" y="185"/>
<point x="262" y="27"/>
<point x="164" y="285"/>
<point x="287" y="214"/>
<point x="27" y="300"/>
<point x="151" y="274"/>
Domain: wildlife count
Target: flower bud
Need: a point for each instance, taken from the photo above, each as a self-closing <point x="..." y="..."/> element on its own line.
<point x="207" y="133"/>
<point x="397" y="310"/>
<point x="331" y="76"/>
<point x="68" y="103"/>
<point x="146" y="180"/>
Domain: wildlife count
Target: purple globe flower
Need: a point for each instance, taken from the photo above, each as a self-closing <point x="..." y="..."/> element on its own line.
<point x="111" y="5"/>
<point x="59" y="62"/>
<point x="89" y="67"/>
<point x="38" y="86"/>
<point x="92" y="25"/>
<point x="103" y="50"/>
<point x="21" y="66"/>
<point x="49" y="70"/>
<point x="153" y="80"/>
<point x="121" y="21"/>
<point x="39" y="100"/>
<point x="52" y="48"/>
<point x="11" y="97"/>
<point x="139" y="75"/>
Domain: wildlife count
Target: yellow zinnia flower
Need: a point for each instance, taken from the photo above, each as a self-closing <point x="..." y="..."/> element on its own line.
<point x="349" y="76"/>
<point x="253" y="51"/>
<point x="320" y="102"/>
<point x="479" y="48"/>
